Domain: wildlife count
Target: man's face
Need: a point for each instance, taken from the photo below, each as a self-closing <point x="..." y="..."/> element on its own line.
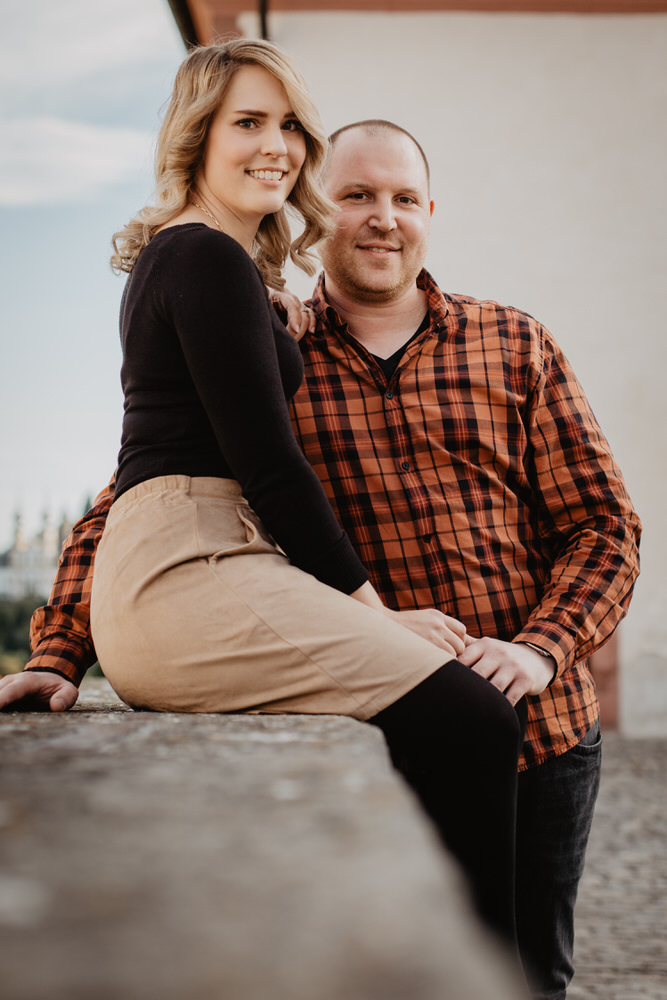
<point x="379" y="183"/>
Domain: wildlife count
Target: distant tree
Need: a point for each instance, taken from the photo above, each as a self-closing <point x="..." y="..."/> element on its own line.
<point x="15" y="618"/>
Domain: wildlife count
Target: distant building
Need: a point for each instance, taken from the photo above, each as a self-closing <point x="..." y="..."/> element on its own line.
<point x="29" y="565"/>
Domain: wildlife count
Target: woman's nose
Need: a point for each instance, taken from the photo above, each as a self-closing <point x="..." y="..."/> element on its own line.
<point x="274" y="142"/>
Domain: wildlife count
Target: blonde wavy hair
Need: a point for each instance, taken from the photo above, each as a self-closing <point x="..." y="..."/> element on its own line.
<point x="199" y="89"/>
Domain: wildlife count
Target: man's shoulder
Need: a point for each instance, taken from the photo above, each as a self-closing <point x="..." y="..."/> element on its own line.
<point x="326" y="321"/>
<point x="489" y="316"/>
<point x="490" y="307"/>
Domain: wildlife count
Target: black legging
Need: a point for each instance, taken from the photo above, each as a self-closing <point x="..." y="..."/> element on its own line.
<point x="457" y="739"/>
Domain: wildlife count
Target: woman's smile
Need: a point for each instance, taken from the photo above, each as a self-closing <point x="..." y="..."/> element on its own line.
<point x="254" y="153"/>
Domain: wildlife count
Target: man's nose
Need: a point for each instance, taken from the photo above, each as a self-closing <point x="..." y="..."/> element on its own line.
<point x="274" y="141"/>
<point x="383" y="216"/>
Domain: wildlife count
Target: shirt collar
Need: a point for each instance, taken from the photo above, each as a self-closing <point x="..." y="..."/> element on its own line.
<point x="329" y="319"/>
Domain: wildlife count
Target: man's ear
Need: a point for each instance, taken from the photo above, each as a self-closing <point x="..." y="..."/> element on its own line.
<point x="431" y="207"/>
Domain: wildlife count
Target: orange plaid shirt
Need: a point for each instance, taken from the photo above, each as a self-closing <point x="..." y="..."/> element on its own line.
<point x="475" y="480"/>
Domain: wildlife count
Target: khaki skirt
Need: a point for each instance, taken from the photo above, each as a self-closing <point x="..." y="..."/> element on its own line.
<point x="195" y="609"/>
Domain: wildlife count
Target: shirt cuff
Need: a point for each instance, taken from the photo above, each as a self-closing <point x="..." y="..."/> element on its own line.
<point x="552" y="639"/>
<point x="60" y="658"/>
<point x="341" y="568"/>
<point x="48" y="670"/>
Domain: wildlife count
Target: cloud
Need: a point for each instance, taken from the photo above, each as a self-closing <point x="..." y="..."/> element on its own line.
<point x="47" y="44"/>
<point x="53" y="160"/>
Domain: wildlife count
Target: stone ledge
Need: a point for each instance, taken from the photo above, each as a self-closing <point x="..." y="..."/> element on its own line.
<point x="209" y="857"/>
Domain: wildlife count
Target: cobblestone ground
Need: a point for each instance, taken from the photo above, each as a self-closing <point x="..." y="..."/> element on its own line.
<point x="621" y="946"/>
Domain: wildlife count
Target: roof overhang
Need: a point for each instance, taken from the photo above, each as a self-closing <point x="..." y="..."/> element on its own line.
<point x="203" y="21"/>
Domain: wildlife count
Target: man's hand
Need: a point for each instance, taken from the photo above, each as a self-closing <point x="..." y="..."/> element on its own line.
<point x="36" y="691"/>
<point x="512" y="667"/>
<point x="299" y="319"/>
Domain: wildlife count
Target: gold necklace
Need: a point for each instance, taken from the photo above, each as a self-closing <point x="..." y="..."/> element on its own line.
<point x="206" y="212"/>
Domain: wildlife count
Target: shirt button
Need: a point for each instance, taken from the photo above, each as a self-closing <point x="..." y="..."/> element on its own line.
<point x="389" y="395"/>
<point x="405" y="465"/>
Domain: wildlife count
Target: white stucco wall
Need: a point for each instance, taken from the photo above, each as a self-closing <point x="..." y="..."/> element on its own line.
<point x="547" y="141"/>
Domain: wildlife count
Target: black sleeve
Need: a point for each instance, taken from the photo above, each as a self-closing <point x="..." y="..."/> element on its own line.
<point x="220" y="310"/>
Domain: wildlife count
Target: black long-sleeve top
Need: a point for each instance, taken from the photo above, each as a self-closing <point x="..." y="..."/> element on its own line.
<point x="207" y="372"/>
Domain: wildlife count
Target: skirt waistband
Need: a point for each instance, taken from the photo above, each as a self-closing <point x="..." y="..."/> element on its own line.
<point x="193" y="486"/>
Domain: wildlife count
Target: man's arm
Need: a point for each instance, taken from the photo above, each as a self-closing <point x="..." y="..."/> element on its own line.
<point x="60" y="631"/>
<point x="586" y="520"/>
<point x="589" y="529"/>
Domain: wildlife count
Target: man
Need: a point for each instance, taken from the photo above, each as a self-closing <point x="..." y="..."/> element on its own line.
<point x="463" y="459"/>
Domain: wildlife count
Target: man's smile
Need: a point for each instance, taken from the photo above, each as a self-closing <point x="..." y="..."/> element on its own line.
<point x="377" y="248"/>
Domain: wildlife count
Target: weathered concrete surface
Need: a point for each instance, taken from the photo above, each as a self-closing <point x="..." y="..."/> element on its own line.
<point x="621" y="943"/>
<point x="223" y="858"/>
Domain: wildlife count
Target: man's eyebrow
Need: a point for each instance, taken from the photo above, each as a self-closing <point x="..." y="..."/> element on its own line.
<point x="365" y="186"/>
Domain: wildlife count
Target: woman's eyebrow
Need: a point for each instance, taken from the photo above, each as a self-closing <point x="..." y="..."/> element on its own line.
<point x="262" y="114"/>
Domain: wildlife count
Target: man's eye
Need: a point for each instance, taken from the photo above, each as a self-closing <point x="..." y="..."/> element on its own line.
<point x="356" y="196"/>
<point x="405" y="200"/>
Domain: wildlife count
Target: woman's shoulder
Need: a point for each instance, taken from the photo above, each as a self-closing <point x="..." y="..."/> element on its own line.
<point x="193" y="260"/>
<point x="196" y="246"/>
<point x="195" y="235"/>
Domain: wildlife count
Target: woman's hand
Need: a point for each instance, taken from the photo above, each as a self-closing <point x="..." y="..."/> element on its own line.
<point x="445" y="632"/>
<point x="298" y="319"/>
<point x="37" y="691"/>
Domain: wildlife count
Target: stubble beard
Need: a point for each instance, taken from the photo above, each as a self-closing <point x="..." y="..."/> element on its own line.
<point x="351" y="280"/>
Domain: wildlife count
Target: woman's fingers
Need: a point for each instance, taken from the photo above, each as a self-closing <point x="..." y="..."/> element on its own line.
<point x="454" y="624"/>
<point x="445" y="632"/>
<point x="297" y="317"/>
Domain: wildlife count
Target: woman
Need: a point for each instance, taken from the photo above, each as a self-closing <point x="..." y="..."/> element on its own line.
<point x="223" y="581"/>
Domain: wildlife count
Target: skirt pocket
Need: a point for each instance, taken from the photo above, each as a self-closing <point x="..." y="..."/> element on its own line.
<point x="228" y="529"/>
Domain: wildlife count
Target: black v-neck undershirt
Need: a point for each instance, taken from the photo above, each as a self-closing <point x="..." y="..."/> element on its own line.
<point x="390" y="364"/>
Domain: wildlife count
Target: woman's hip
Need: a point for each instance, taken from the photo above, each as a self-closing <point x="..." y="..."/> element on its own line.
<point x="194" y="608"/>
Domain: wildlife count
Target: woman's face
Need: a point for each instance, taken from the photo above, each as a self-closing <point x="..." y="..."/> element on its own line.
<point x="255" y="148"/>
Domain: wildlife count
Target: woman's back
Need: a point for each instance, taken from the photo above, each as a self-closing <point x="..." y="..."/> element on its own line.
<point x="202" y="351"/>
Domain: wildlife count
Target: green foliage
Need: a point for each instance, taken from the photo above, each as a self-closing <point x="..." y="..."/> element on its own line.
<point x="15" y="618"/>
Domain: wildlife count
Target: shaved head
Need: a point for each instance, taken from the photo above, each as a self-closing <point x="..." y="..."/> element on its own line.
<point x="376" y="127"/>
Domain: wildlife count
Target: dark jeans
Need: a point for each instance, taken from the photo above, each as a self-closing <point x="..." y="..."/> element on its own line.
<point x="555" y="811"/>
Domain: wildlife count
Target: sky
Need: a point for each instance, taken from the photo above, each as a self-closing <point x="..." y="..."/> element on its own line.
<point x="81" y="89"/>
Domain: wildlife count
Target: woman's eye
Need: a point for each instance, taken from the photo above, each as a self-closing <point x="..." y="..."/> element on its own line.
<point x="247" y="123"/>
<point x="293" y="126"/>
